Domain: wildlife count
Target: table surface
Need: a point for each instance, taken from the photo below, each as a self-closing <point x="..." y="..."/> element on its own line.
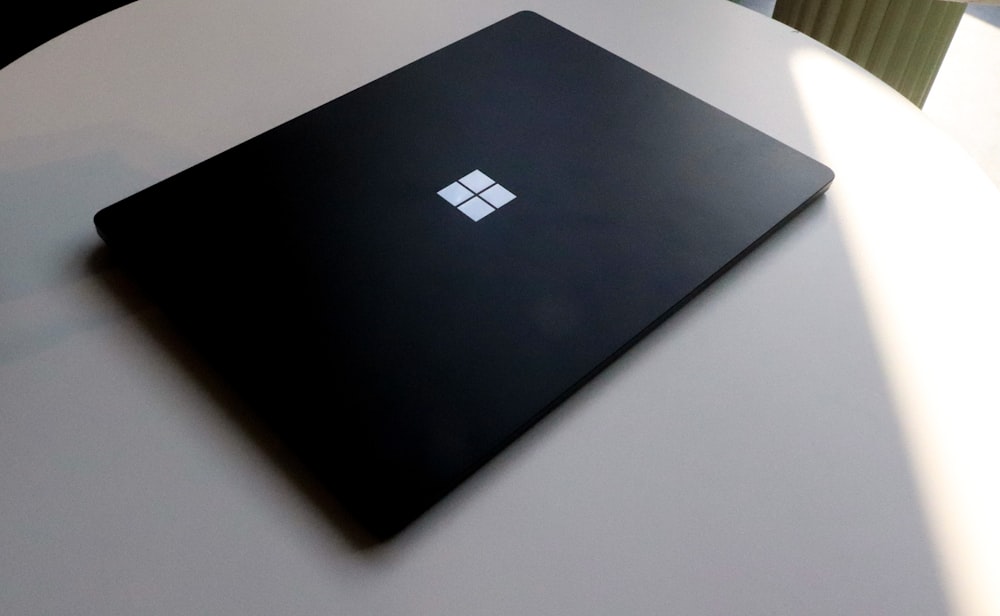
<point x="815" y="434"/>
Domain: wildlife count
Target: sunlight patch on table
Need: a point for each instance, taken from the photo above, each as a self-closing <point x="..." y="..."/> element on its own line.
<point x="924" y="239"/>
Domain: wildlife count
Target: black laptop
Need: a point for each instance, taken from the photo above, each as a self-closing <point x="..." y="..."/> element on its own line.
<point x="403" y="280"/>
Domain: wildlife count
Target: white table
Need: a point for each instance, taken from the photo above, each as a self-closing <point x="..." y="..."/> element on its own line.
<point x="815" y="434"/>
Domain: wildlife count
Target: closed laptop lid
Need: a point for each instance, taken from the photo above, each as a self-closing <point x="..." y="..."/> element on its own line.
<point x="402" y="281"/>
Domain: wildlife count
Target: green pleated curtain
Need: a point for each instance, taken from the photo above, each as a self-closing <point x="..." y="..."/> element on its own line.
<point x="902" y="42"/>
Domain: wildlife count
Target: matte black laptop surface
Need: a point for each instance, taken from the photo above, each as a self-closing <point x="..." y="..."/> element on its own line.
<point x="405" y="279"/>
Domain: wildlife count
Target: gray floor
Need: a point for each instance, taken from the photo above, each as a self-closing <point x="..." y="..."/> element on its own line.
<point x="964" y="98"/>
<point x="761" y="6"/>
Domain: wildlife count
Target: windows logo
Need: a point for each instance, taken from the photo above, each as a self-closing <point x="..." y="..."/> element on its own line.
<point x="476" y="195"/>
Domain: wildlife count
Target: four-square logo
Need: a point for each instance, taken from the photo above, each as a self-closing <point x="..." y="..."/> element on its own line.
<point x="476" y="195"/>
